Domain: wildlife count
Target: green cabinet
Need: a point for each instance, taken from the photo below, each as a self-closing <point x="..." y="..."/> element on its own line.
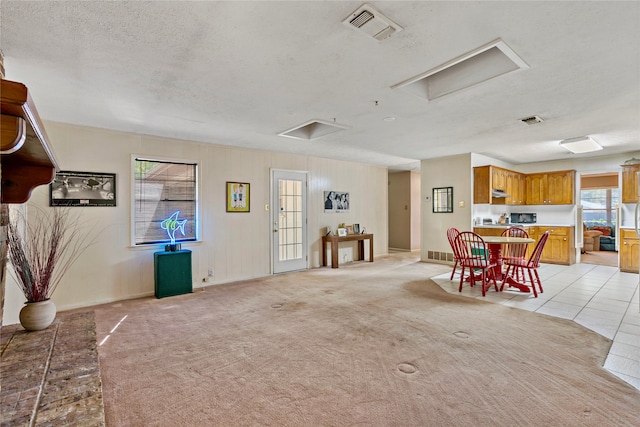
<point x="172" y="273"/>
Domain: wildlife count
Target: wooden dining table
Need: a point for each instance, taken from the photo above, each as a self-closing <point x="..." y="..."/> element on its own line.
<point x="494" y="244"/>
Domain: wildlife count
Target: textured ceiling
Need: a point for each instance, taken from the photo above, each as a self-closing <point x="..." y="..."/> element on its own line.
<point x="238" y="73"/>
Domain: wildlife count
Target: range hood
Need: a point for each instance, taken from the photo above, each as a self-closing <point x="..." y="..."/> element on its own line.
<point x="499" y="194"/>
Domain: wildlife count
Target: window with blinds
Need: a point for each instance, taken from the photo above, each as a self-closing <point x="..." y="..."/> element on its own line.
<point x="162" y="189"/>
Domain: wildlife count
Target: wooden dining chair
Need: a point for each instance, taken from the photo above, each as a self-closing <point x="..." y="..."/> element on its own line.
<point x="474" y="255"/>
<point x="452" y="233"/>
<point x="515" y="251"/>
<point x="531" y="265"/>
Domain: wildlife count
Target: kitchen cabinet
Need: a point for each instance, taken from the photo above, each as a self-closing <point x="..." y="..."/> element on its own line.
<point x="548" y="188"/>
<point x="551" y="188"/>
<point x="629" y="246"/>
<point x="515" y="188"/>
<point x="489" y="231"/>
<point x="489" y="178"/>
<point x="560" y="247"/>
<point x="499" y="178"/>
<point x="630" y="183"/>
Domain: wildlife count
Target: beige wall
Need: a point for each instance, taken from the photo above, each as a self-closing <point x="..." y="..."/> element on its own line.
<point x="234" y="246"/>
<point x="453" y="172"/>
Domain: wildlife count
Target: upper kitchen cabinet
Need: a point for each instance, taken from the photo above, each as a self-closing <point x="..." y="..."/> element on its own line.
<point x="26" y="157"/>
<point x="630" y="183"/>
<point x="497" y="186"/>
<point x="551" y="188"/>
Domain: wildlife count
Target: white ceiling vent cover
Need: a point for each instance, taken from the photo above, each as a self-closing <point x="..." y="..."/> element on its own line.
<point x="485" y="63"/>
<point x="371" y="22"/>
<point x="313" y="129"/>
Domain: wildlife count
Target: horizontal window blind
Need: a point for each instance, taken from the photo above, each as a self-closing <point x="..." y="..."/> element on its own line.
<point x="162" y="189"/>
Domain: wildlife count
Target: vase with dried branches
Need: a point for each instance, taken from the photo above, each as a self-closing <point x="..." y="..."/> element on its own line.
<point x="41" y="249"/>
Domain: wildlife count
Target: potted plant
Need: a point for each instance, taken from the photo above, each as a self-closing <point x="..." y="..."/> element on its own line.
<point x="41" y="249"/>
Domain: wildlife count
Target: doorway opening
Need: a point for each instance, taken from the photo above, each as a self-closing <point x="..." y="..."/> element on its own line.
<point x="600" y="200"/>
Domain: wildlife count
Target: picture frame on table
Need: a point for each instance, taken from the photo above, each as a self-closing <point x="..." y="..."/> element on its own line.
<point x="238" y="196"/>
<point x="342" y="232"/>
<point x="356" y="228"/>
<point x="349" y="229"/>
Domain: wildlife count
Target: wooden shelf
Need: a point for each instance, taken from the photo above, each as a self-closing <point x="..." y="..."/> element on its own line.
<point x="25" y="153"/>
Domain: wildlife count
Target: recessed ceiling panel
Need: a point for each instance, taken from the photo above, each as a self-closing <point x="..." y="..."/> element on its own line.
<point x="312" y="130"/>
<point x="484" y="63"/>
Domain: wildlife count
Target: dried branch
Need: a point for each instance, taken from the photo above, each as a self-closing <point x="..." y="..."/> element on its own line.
<point x="52" y="242"/>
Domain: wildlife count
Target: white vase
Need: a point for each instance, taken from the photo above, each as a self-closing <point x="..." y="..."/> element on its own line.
<point x="36" y="316"/>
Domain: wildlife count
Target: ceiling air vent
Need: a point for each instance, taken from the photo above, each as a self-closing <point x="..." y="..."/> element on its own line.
<point x="531" y="120"/>
<point x="372" y="23"/>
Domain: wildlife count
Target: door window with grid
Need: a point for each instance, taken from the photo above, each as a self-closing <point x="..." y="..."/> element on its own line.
<point x="161" y="189"/>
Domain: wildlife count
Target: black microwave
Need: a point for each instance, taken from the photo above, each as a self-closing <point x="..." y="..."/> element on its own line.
<point x="524" y="218"/>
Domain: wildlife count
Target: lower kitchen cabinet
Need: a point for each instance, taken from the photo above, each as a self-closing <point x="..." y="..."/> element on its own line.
<point x="629" y="244"/>
<point x="560" y="247"/>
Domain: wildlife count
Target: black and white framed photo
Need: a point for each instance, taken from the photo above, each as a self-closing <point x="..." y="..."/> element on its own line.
<point x="336" y="201"/>
<point x="71" y="188"/>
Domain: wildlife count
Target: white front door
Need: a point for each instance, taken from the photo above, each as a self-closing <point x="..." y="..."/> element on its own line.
<point x="289" y="220"/>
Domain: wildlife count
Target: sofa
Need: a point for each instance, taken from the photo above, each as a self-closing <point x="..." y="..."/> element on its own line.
<point x="607" y="240"/>
<point x="591" y="240"/>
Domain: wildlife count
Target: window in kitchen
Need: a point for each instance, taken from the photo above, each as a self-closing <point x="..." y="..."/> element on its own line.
<point x="162" y="188"/>
<point x="599" y="206"/>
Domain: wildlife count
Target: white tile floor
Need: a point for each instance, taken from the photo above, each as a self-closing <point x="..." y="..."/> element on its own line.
<point x="600" y="298"/>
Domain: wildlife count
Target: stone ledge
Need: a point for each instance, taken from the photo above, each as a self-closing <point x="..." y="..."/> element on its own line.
<point x="70" y="392"/>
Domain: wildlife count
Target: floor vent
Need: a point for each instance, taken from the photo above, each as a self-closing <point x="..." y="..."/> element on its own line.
<point x="372" y="23"/>
<point x="440" y="256"/>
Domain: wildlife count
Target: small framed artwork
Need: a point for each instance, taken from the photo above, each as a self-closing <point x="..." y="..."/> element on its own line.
<point x="342" y="232"/>
<point x="356" y="228"/>
<point x="443" y="200"/>
<point x="238" y="197"/>
<point x="350" y="229"/>
<point x="336" y="201"/>
<point x="83" y="189"/>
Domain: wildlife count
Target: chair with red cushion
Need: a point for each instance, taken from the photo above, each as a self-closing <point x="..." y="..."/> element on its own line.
<point x="531" y="265"/>
<point x="452" y="233"/>
<point x="474" y="255"/>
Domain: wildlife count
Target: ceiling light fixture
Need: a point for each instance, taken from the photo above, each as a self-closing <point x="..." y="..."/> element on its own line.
<point x="583" y="144"/>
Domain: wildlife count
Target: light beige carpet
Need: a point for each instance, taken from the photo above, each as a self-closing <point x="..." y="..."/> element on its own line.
<point x="375" y="344"/>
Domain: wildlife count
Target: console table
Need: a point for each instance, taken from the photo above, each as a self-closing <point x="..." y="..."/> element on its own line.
<point x="334" y="240"/>
<point x="172" y="272"/>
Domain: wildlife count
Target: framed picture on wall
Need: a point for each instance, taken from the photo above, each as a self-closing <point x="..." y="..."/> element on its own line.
<point x="237" y="196"/>
<point x="336" y="201"/>
<point x="71" y="188"/>
<point x="443" y="200"/>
